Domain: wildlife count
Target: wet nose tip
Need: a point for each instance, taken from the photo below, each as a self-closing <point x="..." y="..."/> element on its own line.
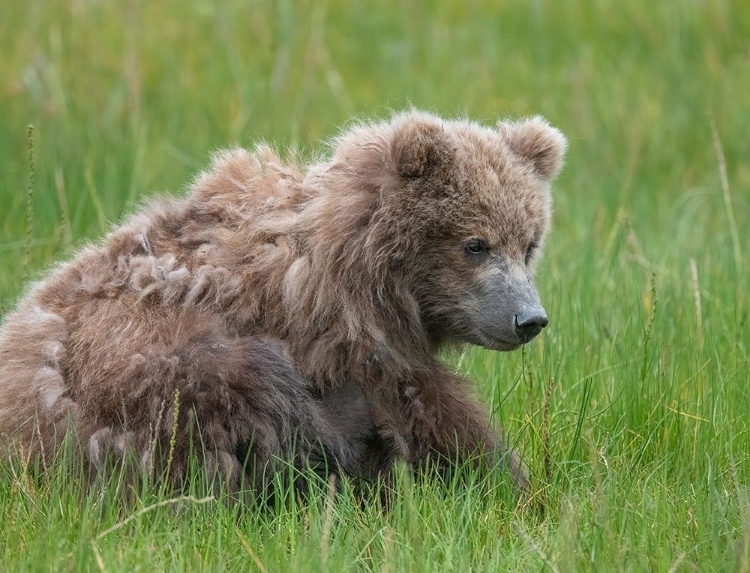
<point x="531" y="323"/>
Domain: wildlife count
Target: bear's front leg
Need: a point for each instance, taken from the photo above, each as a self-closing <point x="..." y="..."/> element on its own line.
<point x="430" y="418"/>
<point x="459" y="432"/>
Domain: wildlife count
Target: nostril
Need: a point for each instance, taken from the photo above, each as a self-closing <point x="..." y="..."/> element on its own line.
<point x="531" y="320"/>
<point x="529" y="324"/>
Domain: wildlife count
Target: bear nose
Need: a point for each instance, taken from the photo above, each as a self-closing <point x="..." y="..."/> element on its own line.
<point x="530" y="323"/>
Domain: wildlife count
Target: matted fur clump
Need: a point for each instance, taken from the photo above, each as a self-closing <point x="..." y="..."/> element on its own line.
<point x="281" y="313"/>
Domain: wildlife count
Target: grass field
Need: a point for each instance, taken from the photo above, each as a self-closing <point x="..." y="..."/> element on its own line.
<point x="633" y="408"/>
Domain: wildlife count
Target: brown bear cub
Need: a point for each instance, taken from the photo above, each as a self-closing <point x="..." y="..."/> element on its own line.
<point x="281" y="313"/>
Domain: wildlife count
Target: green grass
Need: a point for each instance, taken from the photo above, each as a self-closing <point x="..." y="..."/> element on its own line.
<point x="642" y="449"/>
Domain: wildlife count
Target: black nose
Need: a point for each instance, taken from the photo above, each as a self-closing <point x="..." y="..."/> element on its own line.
<point x="530" y="323"/>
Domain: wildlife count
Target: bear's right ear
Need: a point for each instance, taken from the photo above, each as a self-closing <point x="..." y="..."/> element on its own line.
<point x="420" y="148"/>
<point x="538" y="141"/>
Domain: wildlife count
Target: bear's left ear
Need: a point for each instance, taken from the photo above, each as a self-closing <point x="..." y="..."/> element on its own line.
<point x="420" y="147"/>
<point x="538" y="141"/>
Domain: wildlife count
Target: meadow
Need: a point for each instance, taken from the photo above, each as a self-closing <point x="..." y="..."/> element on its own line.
<point x="632" y="408"/>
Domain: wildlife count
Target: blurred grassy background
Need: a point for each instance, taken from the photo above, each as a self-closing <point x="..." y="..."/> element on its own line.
<point x="646" y="273"/>
<point x="129" y="97"/>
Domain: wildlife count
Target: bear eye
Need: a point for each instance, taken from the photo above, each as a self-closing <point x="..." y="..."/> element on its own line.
<point x="476" y="246"/>
<point x="530" y="252"/>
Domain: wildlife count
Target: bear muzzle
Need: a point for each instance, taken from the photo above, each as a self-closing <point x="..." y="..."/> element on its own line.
<point x="508" y="313"/>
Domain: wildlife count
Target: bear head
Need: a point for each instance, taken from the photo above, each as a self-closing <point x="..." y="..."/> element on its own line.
<point x="450" y="215"/>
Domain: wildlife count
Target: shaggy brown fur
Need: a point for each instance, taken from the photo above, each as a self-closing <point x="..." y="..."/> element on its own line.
<point x="298" y="313"/>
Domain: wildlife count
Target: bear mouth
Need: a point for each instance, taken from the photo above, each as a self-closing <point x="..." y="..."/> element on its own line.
<point x="491" y="342"/>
